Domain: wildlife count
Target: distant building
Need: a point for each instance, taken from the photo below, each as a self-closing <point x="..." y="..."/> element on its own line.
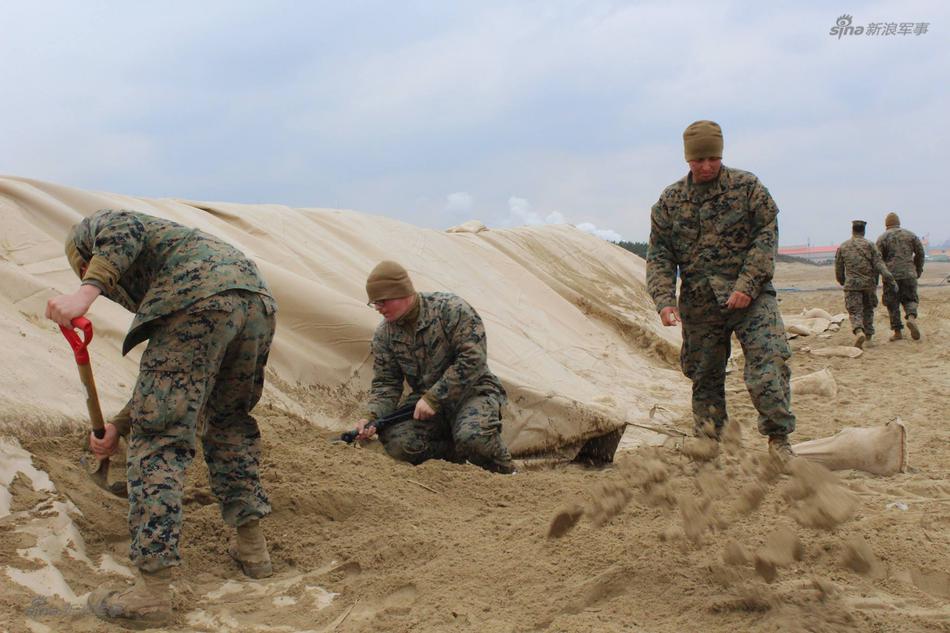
<point x="938" y="254"/>
<point x="827" y="253"/>
<point x="812" y="253"/>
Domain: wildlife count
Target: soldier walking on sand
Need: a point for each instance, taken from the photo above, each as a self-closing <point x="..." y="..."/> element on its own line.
<point x="209" y="320"/>
<point x="857" y="265"/>
<point x="717" y="227"/>
<point x="435" y="342"/>
<point x="903" y="254"/>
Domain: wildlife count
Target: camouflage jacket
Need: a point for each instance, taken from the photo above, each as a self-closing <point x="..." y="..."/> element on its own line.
<point x="718" y="240"/>
<point x="857" y="265"/>
<point x="161" y="266"/>
<point x="902" y="252"/>
<point x="443" y="355"/>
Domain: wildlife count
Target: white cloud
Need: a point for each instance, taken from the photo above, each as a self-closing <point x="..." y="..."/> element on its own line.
<point x="604" y="234"/>
<point x="521" y="213"/>
<point x="459" y="203"/>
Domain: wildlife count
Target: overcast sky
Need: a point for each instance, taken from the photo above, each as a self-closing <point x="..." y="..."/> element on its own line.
<point x="509" y="112"/>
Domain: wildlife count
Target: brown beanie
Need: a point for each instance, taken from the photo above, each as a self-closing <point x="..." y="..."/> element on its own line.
<point x="703" y="139"/>
<point x="891" y="220"/>
<point x="388" y="280"/>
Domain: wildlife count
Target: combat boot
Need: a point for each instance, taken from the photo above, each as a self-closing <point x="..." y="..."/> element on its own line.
<point x="859" y="338"/>
<point x="896" y="336"/>
<point x="502" y="468"/>
<point x="780" y="449"/>
<point x="912" y="326"/>
<point x="145" y="605"/>
<point x="249" y="550"/>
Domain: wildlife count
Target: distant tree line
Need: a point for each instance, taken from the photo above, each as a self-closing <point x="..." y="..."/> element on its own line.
<point x="638" y="248"/>
<point x="791" y="259"/>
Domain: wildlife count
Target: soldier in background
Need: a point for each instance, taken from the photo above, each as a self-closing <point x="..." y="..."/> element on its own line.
<point x="209" y="318"/>
<point x="857" y="265"/>
<point x="717" y="227"/>
<point x="903" y="254"/>
<point x="435" y="342"/>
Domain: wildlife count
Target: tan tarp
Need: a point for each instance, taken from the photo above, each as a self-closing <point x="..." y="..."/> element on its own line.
<point x="572" y="332"/>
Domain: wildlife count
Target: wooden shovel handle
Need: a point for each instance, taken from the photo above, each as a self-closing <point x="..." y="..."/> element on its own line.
<point x="92" y="400"/>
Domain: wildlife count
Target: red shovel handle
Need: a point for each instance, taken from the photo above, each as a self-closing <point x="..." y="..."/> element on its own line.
<point x="80" y="349"/>
<point x="78" y="344"/>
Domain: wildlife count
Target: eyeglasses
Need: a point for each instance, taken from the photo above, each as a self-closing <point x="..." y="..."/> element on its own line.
<point x="377" y="304"/>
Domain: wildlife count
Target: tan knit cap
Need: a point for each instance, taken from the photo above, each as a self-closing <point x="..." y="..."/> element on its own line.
<point x="388" y="280"/>
<point x="703" y="139"/>
<point x="891" y="219"/>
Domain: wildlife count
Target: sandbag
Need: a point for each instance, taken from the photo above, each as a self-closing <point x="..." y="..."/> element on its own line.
<point x="805" y="326"/>
<point x="794" y="329"/>
<point x="820" y="383"/>
<point x="846" y="351"/>
<point x="881" y="450"/>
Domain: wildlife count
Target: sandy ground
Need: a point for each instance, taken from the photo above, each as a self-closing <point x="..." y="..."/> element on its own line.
<point x="666" y="540"/>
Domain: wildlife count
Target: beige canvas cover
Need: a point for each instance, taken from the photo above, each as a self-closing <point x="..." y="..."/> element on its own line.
<point x="572" y="333"/>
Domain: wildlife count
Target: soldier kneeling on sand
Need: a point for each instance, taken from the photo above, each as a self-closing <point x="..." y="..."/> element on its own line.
<point x="435" y="342"/>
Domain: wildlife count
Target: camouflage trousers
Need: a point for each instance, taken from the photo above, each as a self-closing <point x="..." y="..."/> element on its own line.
<point x="472" y="432"/>
<point x="860" y="305"/>
<point x="203" y="367"/>
<point x="705" y="352"/>
<point x="906" y="295"/>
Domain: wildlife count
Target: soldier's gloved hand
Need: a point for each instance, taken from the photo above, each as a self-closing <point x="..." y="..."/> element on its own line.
<point x="107" y="446"/>
<point x="365" y="430"/>
<point x="423" y="410"/>
<point x="670" y="315"/>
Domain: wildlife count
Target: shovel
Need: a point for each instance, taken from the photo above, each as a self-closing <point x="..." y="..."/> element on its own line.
<point x="100" y="471"/>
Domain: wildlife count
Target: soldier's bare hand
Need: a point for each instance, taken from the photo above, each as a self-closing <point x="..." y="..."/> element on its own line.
<point x="423" y="410"/>
<point x="738" y="300"/>
<point x="670" y="315"/>
<point x="64" y="308"/>
<point x="365" y="430"/>
<point x="107" y="446"/>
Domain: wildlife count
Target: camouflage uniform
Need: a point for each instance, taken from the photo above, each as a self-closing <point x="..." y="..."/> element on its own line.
<point x="903" y="254"/>
<point x="721" y="238"/>
<point x="857" y="265"/>
<point x="209" y="318"/>
<point x="440" y="350"/>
